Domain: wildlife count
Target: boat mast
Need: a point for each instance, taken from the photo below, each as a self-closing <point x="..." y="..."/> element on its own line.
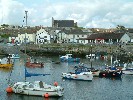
<point x="25" y="37"/>
<point x="91" y="57"/>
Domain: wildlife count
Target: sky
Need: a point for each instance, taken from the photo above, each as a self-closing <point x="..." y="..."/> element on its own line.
<point x="87" y="13"/>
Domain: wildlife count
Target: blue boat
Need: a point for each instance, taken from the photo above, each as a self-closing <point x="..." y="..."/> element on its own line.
<point x="69" y="58"/>
<point x="82" y="68"/>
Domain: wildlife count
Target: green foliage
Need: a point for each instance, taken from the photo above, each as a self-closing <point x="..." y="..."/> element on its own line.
<point x="4" y="25"/>
<point x="5" y="35"/>
<point x="120" y="27"/>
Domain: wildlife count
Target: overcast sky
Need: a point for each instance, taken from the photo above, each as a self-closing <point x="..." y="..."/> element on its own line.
<point x="87" y="13"/>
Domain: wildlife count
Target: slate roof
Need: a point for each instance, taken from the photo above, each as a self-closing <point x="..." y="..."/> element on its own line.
<point x="130" y="30"/>
<point x="106" y="36"/>
<point x="74" y="31"/>
<point x="130" y="35"/>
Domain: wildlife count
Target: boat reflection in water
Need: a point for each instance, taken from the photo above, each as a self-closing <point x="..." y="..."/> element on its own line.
<point x="5" y="69"/>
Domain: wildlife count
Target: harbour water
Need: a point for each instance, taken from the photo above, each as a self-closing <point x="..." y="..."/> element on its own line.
<point x="98" y="89"/>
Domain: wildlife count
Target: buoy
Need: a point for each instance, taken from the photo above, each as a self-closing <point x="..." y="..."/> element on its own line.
<point x="76" y="76"/>
<point x="55" y="83"/>
<point x="9" y="90"/>
<point x="46" y="95"/>
<point x="103" y="74"/>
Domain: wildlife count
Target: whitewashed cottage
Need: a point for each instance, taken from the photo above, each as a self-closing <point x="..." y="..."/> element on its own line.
<point x="26" y="37"/>
<point x="42" y="37"/>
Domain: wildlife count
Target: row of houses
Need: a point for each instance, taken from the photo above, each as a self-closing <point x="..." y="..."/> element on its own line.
<point x="83" y="36"/>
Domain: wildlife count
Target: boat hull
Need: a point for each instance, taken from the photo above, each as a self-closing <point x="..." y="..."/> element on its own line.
<point x="128" y="72"/>
<point x="28" y="64"/>
<point x="95" y="73"/>
<point x="38" y="88"/>
<point x="36" y="92"/>
<point x="70" y="59"/>
<point x="83" y="77"/>
<point x="115" y="74"/>
<point x="6" y="65"/>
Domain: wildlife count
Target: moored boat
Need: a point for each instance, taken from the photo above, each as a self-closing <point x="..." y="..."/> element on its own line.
<point x="111" y="72"/>
<point x="127" y="69"/>
<point x="81" y="73"/>
<point x="69" y="58"/>
<point x="34" y="63"/>
<point x="6" y="63"/>
<point x="84" y="76"/>
<point x="91" y="56"/>
<point x="83" y="68"/>
<point x="14" y="56"/>
<point x="37" y="88"/>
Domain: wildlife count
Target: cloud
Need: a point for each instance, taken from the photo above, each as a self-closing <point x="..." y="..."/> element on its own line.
<point x="88" y="13"/>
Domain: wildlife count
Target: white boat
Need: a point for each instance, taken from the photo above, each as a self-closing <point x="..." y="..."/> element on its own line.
<point x="6" y="63"/>
<point x="38" y="88"/>
<point x="91" y="55"/>
<point x="82" y="68"/>
<point x="69" y="58"/>
<point x="127" y="70"/>
<point x="14" y="56"/>
<point x="85" y="76"/>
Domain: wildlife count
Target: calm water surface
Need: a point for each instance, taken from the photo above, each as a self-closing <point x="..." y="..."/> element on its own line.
<point x="98" y="89"/>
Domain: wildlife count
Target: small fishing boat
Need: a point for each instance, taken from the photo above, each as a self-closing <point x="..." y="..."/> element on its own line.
<point x="6" y="63"/>
<point x="127" y="69"/>
<point x="82" y="68"/>
<point x="69" y="58"/>
<point x="31" y="63"/>
<point x="36" y="88"/>
<point x="84" y="76"/>
<point x="14" y="56"/>
<point x="91" y="56"/>
<point x="81" y="73"/>
<point x="111" y="72"/>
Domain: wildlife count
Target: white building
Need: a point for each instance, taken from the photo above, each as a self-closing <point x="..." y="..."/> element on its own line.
<point x="42" y="37"/>
<point x="22" y="38"/>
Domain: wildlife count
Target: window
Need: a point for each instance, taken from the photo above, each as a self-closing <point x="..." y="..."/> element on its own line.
<point x="45" y="40"/>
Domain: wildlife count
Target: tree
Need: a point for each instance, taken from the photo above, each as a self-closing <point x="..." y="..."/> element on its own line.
<point x="4" y="25"/>
<point x="120" y="27"/>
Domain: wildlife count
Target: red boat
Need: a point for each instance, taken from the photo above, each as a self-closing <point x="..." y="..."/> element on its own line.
<point x="33" y="64"/>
